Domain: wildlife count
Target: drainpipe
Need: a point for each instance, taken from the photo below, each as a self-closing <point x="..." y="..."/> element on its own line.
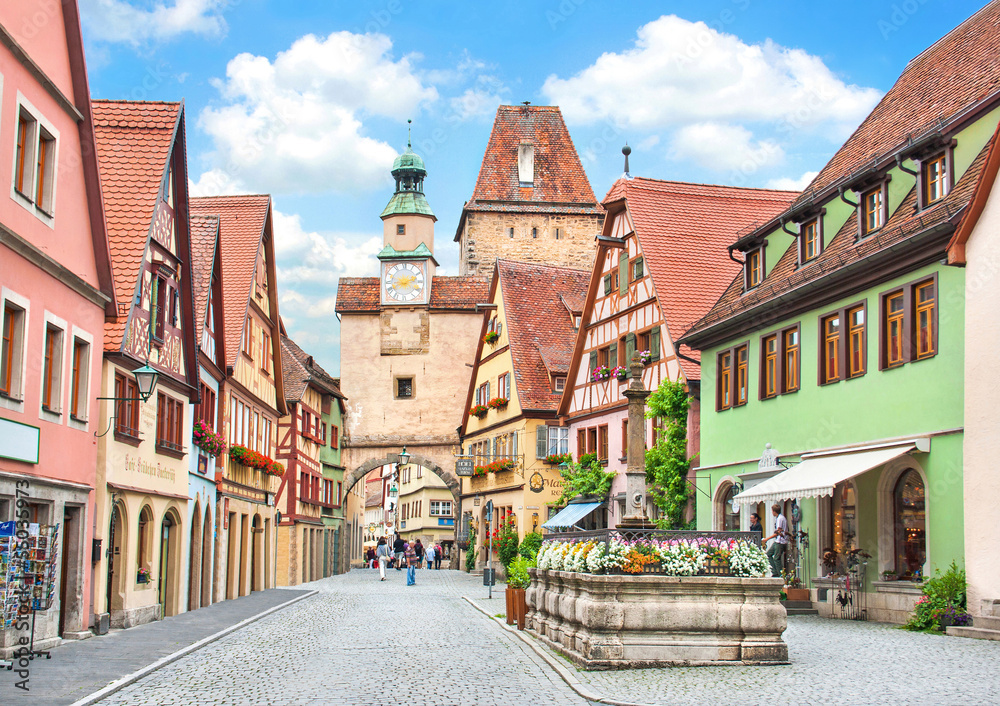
<point x="846" y="200"/>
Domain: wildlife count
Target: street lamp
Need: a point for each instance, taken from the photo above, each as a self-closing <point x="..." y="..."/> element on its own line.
<point x="404" y="458"/>
<point x="145" y="381"/>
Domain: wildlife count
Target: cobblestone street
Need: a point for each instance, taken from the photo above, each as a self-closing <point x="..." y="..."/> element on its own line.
<point x="363" y="642"/>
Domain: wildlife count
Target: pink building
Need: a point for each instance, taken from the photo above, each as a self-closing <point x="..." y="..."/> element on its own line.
<point x="661" y="264"/>
<point x="54" y="293"/>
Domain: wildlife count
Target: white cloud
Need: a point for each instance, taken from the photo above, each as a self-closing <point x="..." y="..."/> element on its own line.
<point x="295" y="124"/>
<point x="789" y="184"/>
<point x="680" y="72"/>
<point x="120" y="21"/>
<point x="721" y="147"/>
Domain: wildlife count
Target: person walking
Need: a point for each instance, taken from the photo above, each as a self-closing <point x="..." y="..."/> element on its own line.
<point x="398" y="550"/>
<point x="776" y="552"/>
<point x="429" y="556"/>
<point x="438" y="551"/>
<point x="419" y="551"/>
<point x="382" y="556"/>
<point x="411" y="564"/>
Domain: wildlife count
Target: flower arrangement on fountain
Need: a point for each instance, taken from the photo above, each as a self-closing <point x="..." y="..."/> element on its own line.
<point x="479" y="410"/>
<point x="601" y="372"/>
<point x="645" y="357"/>
<point x="676" y="557"/>
<point x="207" y="440"/>
<point x="498" y="403"/>
<point x="252" y="459"/>
<point x="620" y="372"/>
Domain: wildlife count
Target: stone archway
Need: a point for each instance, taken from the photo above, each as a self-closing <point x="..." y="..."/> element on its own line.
<point x="449" y="478"/>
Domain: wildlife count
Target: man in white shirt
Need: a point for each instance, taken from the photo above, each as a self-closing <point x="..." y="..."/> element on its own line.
<point x="776" y="552"/>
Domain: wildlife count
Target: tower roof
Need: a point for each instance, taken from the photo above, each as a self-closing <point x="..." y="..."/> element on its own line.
<point x="408" y="170"/>
<point x="409" y="161"/>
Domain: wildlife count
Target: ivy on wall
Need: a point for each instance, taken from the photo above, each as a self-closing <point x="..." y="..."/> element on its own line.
<point x="667" y="462"/>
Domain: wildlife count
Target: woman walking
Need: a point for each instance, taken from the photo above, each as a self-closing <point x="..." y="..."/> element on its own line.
<point x="419" y="550"/>
<point x="382" y="556"/>
<point x="411" y="565"/>
<point x="429" y="556"/>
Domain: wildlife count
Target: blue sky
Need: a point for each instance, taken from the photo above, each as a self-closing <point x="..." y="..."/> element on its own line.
<point x="308" y="101"/>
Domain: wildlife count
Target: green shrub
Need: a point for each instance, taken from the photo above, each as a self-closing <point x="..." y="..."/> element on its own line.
<point x="471" y="554"/>
<point x="517" y="573"/>
<point x="505" y="541"/>
<point x="530" y="545"/>
<point x="941" y="592"/>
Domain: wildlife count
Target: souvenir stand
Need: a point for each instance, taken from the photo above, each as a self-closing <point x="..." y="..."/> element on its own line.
<point x="8" y="575"/>
<point x="28" y="574"/>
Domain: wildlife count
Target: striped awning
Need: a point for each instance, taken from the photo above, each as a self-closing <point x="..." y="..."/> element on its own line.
<point x="570" y="515"/>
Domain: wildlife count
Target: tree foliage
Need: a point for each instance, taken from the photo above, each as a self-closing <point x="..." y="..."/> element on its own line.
<point x="585" y="478"/>
<point x="667" y="462"/>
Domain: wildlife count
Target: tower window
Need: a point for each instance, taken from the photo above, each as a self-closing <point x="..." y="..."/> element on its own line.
<point x="534" y="232"/>
<point x="404" y="388"/>
<point x="401" y="229"/>
<point x="510" y="232"/>
<point x="558" y="233"/>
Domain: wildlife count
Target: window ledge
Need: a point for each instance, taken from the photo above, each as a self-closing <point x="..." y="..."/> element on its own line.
<point x="49" y="410"/>
<point x="905" y="587"/>
<point x="127" y="438"/>
<point x="12" y="398"/>
<point x="170" y="451"/>
<point x="81" y="420"/>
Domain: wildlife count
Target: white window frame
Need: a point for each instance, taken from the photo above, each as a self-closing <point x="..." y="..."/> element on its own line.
<point x="437" y="508"/>
<point x="558" y="440"/>
<point x="15" y="403"/>
<point x="26" y="199"/>
<point x="59" y="382"/>
<point x="81" y="422"/>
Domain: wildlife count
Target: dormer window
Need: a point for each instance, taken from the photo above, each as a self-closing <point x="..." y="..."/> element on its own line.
<point x="810" y="241"/>
<point x="753" y="273"/>
<point x="559" y="383"/>
<point x="934" y="178"/>
<point x="872" y="210"/>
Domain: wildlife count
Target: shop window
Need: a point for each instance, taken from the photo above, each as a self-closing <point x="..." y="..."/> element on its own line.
<point x="145" y="545"/>
<point x="910" y="525"/>
<point x="842" y="528"/>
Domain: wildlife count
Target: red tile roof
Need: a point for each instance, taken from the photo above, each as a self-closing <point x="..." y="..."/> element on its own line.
<point x="560" y="184"/>
<point x="204" y="233"/>
<point x="953" y="74"/>
<point x="133" y="148"/>
<point x="361" y="294"/>
<point x="299" y="369"/>
<point x="241" y="229"/>
<point x="539" y="328"/>
<point x="683" y="230"/>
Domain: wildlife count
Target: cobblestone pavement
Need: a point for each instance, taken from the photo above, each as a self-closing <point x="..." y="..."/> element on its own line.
<point x="833" y="662"/>
<point x="361" y="641"/>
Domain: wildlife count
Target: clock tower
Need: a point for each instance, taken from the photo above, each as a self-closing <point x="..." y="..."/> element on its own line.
<point x="407" y="258"/>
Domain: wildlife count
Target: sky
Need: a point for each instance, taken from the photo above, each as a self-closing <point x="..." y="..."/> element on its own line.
<point x="308" y="100"/>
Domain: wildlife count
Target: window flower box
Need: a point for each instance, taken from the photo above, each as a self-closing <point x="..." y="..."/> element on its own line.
<point x="479" y="410"/>
<point x="142" y="576"/>
<point x="491" y="338"/>
<point x="207" y="440"/>
<point x="479" y="472"/>
<point x="501" y="465"/>
<point x="600" y="373"/>
<point x="498" y="403"/>
<point x="557" y="459"/>
<point x="252" y="459"/>
<point x="645" y="357"/>
<point x="620" y="372"/>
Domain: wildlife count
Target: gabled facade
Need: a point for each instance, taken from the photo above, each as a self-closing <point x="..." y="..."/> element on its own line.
<point x="206" y="419"/>
<point x="532" y="201"/>
<point x="252" y="398"/>
<point x="511" y="427"/>
<point x="55" y="290"/>
<point x="310" y="493"/>
<point x="842" y="344"/>
<point x="660" y="265"/>
<point x="142" y="470"/>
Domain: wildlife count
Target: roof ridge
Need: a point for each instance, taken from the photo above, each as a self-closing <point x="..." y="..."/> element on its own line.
<point x="710" y="186"/>
<point x="947" y="34"/>
<point x="540" y="265"/>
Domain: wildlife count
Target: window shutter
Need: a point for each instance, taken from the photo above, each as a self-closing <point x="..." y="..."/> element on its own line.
<point x="607" y="284"/>
<point x="487" y="400"/>
<point x="541" y="441"/>
<point x="638" y="268"/>
<point x="654" y="342"/>
<point x="629" y="348"/>
<point x="613" y="354"/>
<point x="593" y="361"/>
<point x="623" y="274"/>
<point x="513" y="443"/>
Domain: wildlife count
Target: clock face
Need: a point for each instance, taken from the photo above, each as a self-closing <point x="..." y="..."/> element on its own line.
<point x="404" y="282"/>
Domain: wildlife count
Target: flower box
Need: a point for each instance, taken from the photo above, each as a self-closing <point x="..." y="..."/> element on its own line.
<point x="558" y="459"/>
<point x="491" y="338"/>
<point x="479" y="410"/>
<point x="500" y="465"/>
<point x="797" y="594"/>
<point x="207" y="440"/>
<point x="620" y="372"/>
<point x="252" y="459"/>
<point x="516" y="607"/>
<point x="142" y="576"/>
<point x="498" y="403"/>
<point x="645" y="357"/>
<point x="600" y="373"/>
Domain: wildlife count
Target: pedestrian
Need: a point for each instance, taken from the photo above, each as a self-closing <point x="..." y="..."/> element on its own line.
<point x="755" y="523"/>
<point x="438" y="551"/>
<point x="398" y="549"/>
<point x="776" y="552"/>
<point x="370" y="557"/>
<point x="429" y="556"/>
<point x="419" y="551"/>
<point x="411" y="564"/>
<point x="382" y="554"/>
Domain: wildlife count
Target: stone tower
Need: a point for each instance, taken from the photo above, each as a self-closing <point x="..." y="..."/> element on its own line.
<point x="532" y="201"/>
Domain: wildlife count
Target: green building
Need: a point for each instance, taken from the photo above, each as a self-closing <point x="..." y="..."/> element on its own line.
<point x="832" y="367"/>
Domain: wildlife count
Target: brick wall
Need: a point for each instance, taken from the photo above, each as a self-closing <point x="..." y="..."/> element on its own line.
<point x="486" y="237"/>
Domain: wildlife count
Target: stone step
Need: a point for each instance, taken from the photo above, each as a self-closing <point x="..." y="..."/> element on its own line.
<point x="802" y="611"/>
<point x="977" y="633"/>
<point x="797" y="604"/>
<point x="986" y="622"/>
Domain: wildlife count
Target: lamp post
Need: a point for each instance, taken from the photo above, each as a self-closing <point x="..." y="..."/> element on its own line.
<point x="145" y="381"/>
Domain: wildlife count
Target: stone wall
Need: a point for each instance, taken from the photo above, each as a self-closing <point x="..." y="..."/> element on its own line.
<point x="486" y="237"/>
<point x="649" y="620"/>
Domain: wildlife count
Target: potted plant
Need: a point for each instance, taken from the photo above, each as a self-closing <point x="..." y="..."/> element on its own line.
<point x="645" y="357"/>
<point x="620" y="372"/>
<point x="793" y="586"/>
<point x="207" y="440"/>
<point x="498" y="403"/>
<point x="601" y="372"/>
<point x="518" y="579"/>
<point x="889" y="576"/>
<point x="491" y="338"/>
<point x="142" y="575"/>
<point x="479" y="410"/>
<point x="952" y="615"/>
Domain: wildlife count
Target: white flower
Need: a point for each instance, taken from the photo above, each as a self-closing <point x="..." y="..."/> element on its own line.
<point x="748" y="559"/>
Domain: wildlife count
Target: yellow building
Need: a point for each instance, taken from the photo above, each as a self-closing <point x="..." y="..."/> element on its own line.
<point x="426" y="508"/>
<point x="511" y="428"/>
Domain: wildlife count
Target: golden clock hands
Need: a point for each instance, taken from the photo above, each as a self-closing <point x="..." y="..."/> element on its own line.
<point x="406" y="280"/>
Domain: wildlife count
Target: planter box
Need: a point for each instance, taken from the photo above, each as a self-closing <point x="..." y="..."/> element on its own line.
<point x="623" y="622"/>
<point x="516" y="607"/>
<point x="797" y="594"/>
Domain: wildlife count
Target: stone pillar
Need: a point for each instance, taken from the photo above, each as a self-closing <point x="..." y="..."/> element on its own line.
<point x="635" y="473"/>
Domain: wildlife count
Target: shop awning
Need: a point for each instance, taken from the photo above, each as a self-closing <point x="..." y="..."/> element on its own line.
<point x="570" y="515"/>
<point x="816" y="474"/>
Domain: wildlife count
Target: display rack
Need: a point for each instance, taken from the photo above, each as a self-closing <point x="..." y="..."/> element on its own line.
<point x="28" y="572"/>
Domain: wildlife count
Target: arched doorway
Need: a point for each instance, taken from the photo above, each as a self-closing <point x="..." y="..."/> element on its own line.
<point x="117" y="538"/>
<point x="256" y="555"/>
<point x="194" y="567"/>
<point x="206" y="559"/>
<point x="167" y="588"/>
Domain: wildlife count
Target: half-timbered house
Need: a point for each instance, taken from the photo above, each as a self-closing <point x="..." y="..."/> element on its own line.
<point x="142" y="470"/>
<point x="252" y="398"/>
<point x="661" y="263"/>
